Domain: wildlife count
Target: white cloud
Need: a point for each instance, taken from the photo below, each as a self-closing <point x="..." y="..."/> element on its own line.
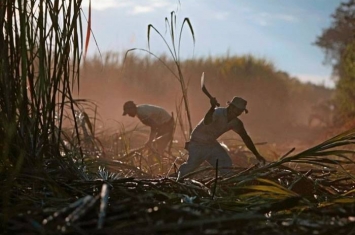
<point x="265" y="19"/>
<point x="262" y="22"/>
<point x="132" y="7"/>
<point x="105" y="4"/>
<point x="151" y="6"/>
<point x="284" y="17"/>
<point x="141" y="9"/>
<point x="221" y="15"/>
<point x="316" y="79"/>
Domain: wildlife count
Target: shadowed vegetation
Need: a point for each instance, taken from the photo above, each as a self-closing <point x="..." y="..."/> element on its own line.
<point x="40" y="45"/>
<point x="308" y="192"/>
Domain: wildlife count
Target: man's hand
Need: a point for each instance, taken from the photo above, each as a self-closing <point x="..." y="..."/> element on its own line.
<point x="151" y="147"/>
<point x="213" y="102"/>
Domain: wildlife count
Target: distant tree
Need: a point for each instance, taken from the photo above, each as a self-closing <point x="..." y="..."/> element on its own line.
<point x="345" y="88"/>
<point x="339" y="46"/>
<point x="335" y="39"/>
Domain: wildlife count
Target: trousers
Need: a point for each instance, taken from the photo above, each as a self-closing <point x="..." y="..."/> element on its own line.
<point x="198" y="153"/>
<point x="164" y="133"/>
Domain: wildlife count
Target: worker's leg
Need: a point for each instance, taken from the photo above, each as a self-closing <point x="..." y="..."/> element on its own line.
<point x="224" y="160"/>
<point x="162" y="143"/>
<point x="164" y="137"/>
<point x="197" y="154"/>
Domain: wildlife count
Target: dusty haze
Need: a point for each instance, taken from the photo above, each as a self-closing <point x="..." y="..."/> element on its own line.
<point x="279" y="106"/>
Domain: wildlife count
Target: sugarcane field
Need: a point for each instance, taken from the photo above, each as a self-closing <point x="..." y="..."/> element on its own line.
<point x="177" y="117"/>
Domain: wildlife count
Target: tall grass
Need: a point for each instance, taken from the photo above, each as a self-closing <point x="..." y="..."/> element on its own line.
<point x="174" y="51"/>
<point x="40" y="52"/>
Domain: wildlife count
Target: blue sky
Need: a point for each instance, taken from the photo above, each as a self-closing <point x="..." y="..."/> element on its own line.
<point x="281" y="31"/>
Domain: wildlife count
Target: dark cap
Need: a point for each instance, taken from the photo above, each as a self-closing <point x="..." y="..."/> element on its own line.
<point x="128" y="105"/>
<point x="239" y="103"/>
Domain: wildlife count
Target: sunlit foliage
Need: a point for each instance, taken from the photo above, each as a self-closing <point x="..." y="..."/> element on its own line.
<point x="337" y="41"/>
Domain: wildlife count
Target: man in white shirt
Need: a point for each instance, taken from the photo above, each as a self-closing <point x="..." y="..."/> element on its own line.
<point x="158" y="119"/>
<point x="203" y="145"/>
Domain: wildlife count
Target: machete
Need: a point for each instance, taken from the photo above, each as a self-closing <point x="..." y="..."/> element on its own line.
<point x="204" y="89"/>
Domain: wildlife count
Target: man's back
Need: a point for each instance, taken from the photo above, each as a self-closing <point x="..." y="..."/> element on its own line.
<point x="152" y="115"/>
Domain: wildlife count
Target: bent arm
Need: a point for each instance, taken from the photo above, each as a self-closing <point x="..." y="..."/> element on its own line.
<point x="153" y="126"/>
<point x="151" y="135"/>
<point x="249" y="143"/>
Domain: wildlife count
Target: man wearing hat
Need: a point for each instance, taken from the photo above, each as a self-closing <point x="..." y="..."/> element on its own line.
<point x="203" y="145"/>
<point x="158" y="119"/>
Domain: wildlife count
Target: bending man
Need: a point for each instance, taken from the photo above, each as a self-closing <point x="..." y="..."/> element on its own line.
<point x="203" y="145"/>
<point x="158" y="119"/>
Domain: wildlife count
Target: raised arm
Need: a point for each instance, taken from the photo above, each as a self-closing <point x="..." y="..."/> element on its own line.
<point x="209" y="115"/>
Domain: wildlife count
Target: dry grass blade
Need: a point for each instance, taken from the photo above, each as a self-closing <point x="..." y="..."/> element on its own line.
<point x="188" y="22"/>
<point x="88" y="30"/>
<point x="103" y="205"/>
<point x="171" y="26"/>
<point x="323" y="153"/>
<point x="269" y="188"/>
<point x="215" y="181"/>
